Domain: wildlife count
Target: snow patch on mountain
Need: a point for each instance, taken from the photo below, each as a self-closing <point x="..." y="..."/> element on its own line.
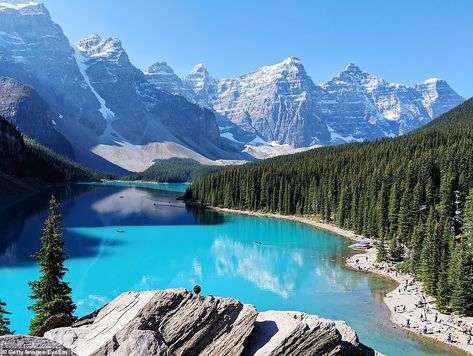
<point x="81" y="62"/>
<point x="109" y="134"/>
<point x="17" y="5"/>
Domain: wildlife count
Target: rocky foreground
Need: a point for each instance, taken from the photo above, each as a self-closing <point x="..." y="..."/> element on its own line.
<point x="179" y="322"/>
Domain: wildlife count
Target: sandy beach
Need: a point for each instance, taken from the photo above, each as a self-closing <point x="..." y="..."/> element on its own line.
<point x="402" y="301"/>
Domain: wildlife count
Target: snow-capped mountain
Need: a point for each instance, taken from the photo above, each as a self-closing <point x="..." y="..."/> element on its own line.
<point x="104" y="106"/>
<point x="163" y="77"/>
<point x="280" y="104"/>
<point x="358" y="106"/>
<point x="201" y="85"/>
<point x="277" y="103"/>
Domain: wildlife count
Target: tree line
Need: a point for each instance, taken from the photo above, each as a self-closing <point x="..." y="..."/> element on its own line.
<point x="413" y="194"/>
<point x="21" y="156"/>
<point x="174" y="170"/>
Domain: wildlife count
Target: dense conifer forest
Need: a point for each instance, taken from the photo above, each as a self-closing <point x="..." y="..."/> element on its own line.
<point x="175" y="170"/>
<point x="413" y="194"/>
<point x="25" y="158"/>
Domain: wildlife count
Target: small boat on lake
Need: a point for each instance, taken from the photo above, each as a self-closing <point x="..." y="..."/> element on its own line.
<point x="120" y="231"/>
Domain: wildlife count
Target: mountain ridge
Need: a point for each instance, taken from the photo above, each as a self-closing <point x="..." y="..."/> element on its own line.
<point x="351" y="106"/>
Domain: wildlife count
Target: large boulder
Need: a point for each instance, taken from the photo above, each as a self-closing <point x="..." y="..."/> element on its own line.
<point x="281" y="333"/>
<point x="173" y="322"/>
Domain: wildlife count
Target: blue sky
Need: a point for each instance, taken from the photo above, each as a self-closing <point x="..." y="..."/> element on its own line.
<point x="404" y="41"/>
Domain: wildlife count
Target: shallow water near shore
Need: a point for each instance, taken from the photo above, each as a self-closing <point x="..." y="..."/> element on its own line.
<point x="124" y="237"/>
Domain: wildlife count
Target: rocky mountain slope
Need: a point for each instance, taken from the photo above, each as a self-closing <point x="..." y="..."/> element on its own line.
<point x="178" y="322"/>
<point x="280" y="104"/>
<point x="22" y="106"/>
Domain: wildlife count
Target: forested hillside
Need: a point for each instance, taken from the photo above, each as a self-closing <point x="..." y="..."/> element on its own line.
<point x="413" y="194"/>
<point x="25" y="159"/>
<point x="175" y="170"/>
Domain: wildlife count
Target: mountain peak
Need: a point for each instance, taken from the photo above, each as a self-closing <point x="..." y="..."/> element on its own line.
<point x="351" y="74"/>
<point x="433" y="81"/>
<point x="107" y="47"/>
<point x="199" y="68"/>
<point x="159" y="68"/>
<point x="92" y="37"/>
<point x="291" y="65"/>
<point x="17" y="4"/>
<point x="352" y="68"/>
<point x="292" y="60"/>
<point x="25" y="7"/>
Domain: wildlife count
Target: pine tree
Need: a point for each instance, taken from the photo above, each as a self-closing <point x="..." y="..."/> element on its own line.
<point x="429" y="257"/>
<point x="416" y="249"/>
<point x="4" y="321"/>
<point x="51" y="294"/>
<point x="382" y="212"/>
<point x="443" y="288"/>
<point x="447" y="200"/>
<point x="468" y="217"/>
<point x="462" y="293"/>
<point x="407" y="215"/>
<point x="393" y="208"/>
<point x="382" y="255"/>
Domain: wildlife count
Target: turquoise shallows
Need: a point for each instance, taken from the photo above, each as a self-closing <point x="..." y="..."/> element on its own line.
<point x="123" y="237"/>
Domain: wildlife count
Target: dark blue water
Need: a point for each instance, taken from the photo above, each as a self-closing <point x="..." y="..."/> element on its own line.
<point x="165" y="245"/>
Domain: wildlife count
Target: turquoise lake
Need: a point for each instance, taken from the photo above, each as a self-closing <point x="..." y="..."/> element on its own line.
<point x="166" y="245"/>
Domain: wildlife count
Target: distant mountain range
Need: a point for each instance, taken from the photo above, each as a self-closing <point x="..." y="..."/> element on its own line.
<point x="89" y="101"/>
<point x="281" y="103"/>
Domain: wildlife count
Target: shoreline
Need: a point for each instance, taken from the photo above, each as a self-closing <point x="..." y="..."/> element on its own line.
<point x="401" y="301"/>
<point x="139" y="181"/>
<point x="303" y="220"/>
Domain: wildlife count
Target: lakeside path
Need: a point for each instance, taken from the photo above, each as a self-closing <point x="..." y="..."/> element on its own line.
<point x="402" y="301"/>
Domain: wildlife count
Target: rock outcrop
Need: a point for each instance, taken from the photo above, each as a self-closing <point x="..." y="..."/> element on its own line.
<point x="21" y="344"/>
<point x="179" y="322"/>
<point x="280" y="333"/>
